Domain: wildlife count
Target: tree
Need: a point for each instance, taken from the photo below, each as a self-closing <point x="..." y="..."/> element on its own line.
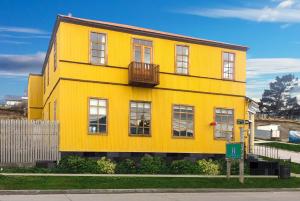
<point x="277" y="100"/>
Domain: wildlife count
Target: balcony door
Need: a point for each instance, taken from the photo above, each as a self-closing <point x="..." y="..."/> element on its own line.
<point x="142" y="51"/>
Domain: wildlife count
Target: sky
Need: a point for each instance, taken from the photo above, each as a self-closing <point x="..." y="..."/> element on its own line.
<point x="270" y="28"/>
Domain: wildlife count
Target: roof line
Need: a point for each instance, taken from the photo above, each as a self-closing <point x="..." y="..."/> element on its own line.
<point x="137" y="31"/>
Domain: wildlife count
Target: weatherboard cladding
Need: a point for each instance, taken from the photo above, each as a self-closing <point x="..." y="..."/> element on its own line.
<point x="137" y="31"/>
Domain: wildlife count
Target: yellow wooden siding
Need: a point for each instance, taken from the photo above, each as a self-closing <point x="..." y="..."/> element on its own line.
<point x="74" y="119"/>
<point x="35" y="98"/>
<point x="205" y="61"/>
<point x="88" y="81"/>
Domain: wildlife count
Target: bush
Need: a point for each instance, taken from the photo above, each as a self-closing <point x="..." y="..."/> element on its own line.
<point x="106" y="166"/>
<point x="126" y="166"/>
<point x="76" y="164"/>
<point x="184" y="167"/>
<point x="152" y="165"/>
<point x="208" y="167"/>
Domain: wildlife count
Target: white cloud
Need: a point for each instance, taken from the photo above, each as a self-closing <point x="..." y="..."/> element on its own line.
<point x="22" y="30"/>
<point x="24" y="37"/>
<point x="287" y="11"/>
<point x="21" y="65"/>
<point x="14" y="42"/>
<point x="262" y="71"/>
<point x="284" y="26"/>
<point x="286" y="4"/>
<point x="267" y="66"/>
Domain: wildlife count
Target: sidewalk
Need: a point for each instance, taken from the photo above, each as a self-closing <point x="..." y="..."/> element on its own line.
<point x="132" y="175"/>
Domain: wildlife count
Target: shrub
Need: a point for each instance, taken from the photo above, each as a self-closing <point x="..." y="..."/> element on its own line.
<point x="152" y="165"/>
<point x="208" y="167"/>
<point x="106" y="166"/>
<point x="76" y="164"/>
<point x="183" y="167"/>
<point x="126" y="166"/>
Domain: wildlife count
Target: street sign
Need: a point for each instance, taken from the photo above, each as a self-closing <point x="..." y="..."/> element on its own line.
<point x="242" y="121"/>
<point x="234" y="151"/>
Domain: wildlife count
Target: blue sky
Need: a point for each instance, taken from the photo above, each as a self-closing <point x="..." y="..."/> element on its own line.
<point x="271" y="28"/>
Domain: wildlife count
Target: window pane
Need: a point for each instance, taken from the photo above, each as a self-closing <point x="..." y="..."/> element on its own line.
<point x="179" y="50"/>
<point x="93" y="110"/>
<point x="94" y="37"/>
<point x="137" y="54"/>
<point x="185" y="51"/>
<point x="93" y="102"/>
<point x="231" y="57"/>
<point x="102" y="103"/>
<point x="102" y="128"/>
<point x="225" y="56"/>
<point x="102" y="111"/>
<point x="93" y="128"/>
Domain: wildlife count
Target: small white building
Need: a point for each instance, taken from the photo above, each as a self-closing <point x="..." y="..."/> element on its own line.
<point x="268" y="131"/>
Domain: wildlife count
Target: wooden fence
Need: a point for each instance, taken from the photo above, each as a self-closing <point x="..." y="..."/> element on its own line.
<point x="24" y="141"/>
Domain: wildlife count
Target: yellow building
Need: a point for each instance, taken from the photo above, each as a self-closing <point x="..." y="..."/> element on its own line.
<point x="122" y="89"/>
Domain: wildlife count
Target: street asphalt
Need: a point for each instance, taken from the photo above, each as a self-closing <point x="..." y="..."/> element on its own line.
<point x="229" y="196"/>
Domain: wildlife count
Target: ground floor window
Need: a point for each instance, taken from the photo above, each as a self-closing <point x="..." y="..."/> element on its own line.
<point x="97" y="115"/>
<point x="224" y="123"/>
<point x="183" y="120"/>
<point x="140" y="118"/>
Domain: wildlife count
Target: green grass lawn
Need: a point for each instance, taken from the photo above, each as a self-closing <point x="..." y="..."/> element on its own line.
<point x="289" y="147"/>
<point x="36" y="182"/>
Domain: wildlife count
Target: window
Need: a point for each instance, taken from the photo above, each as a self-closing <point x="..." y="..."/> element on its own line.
<point x="182" y="59"/>
<point x="55" y="54"/>
<point x="98" y="48"/>
<point x="54" y="110"/>
<point x="183" y="121"/>
<point x="97" y="115"/>
<point x="142" y="51"/>
<point x="224" y="120"/>
<point x="140" y="118"/>
<point x="228" y="65"/>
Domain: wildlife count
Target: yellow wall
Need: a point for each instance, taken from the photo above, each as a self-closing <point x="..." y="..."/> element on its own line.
<point x="35" y="98"/>
<point x="80" y="80"/>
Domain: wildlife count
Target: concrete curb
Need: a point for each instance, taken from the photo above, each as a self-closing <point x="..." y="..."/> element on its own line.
<point x="125" y="191"/>
<point x="133" y="175"/>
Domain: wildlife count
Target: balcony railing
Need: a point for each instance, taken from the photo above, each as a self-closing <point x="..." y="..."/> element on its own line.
<point x="143" y="74"/>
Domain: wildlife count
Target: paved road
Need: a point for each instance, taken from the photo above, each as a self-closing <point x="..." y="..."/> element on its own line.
<point x="248" y="196"/>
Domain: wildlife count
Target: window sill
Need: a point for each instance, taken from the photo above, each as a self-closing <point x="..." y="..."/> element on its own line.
<point x="97" y="134"/>
<point x="139" y="135"/>
<point x="183" y="137"/>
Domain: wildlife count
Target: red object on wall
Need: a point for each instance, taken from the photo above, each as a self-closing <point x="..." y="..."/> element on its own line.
<point x="213" y="123"/>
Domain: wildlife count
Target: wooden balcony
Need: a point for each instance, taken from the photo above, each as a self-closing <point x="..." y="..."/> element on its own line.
<point x="143" y="74"/>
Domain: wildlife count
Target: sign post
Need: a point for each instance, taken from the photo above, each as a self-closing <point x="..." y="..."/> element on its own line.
<point x="235" y="151"/>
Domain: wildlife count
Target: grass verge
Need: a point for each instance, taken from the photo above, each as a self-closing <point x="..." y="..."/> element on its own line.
<point x="289" y="147"/>
<point x="43" y="183"/>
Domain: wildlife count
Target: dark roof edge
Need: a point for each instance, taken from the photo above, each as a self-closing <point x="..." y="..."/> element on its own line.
<point x="137" y="31"/>
<point x="35" y="74"/>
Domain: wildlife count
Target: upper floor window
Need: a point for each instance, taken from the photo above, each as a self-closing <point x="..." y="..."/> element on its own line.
<point x="228" y="65"/>
<point x="55" y="54"/>
<point x="140" y="117"/>
<point x="224" y="123"/>
<point x="142" y="51"/>
<point x="183" y="121"/>
<point x="97" y="115"/>
<point x="98" y="48"/>
<point x="182" y="59"/>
